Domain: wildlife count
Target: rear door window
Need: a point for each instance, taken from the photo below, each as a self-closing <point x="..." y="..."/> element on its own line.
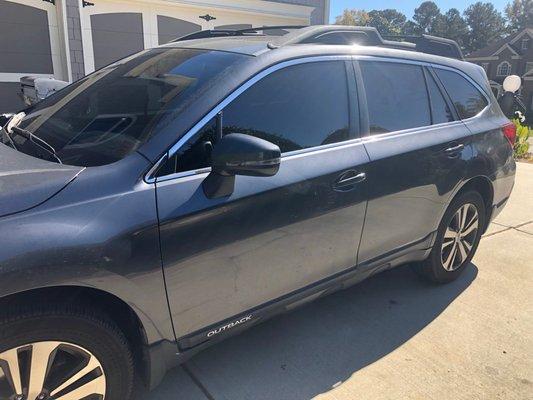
<point x="440" y="111"/>
<point x="467" y="99"/>
<point x="396" y="96"/>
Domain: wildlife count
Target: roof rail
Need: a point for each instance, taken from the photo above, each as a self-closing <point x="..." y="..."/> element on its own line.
<point x="341" y="35"/>
<point x="213" y="33"/>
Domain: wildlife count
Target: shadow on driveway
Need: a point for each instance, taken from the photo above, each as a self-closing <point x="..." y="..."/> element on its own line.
<point x="304" y="353"/>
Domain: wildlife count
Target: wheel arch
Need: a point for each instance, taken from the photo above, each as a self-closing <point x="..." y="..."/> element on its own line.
<point x="484" y="187"/>
<point x="148" y="361"/>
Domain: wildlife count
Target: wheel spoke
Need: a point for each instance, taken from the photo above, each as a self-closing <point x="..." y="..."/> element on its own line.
<point x="47" y="362"/>
<point x="449" y="260"/>
<point x="96" y="386"/>
<point x="12" y="360"/>
<point x="470" y="227"/>
<point x="41" y="357"/>
<point x="467" y="245"/>
<point x="462" y="250"/>
<point x="91" y="365"/>
<point x="447" y="243"/>
<point x="450" y="233"/>
<point x="464" y="212"/>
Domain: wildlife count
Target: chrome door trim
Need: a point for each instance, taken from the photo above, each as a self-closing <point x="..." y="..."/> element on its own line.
<point x="149" y="178"/>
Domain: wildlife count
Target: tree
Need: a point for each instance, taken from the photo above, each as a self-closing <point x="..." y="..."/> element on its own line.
<point x="519" y="14"/>
<point x="455" y="26"/>
<point x="387" y="22"/>
<point x="410" y="28"/>
<point x="428" y="18"/>
<point x="486" y="25"/>
<point x="352" y="17"/>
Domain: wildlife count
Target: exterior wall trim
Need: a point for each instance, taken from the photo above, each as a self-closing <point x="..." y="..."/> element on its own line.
<point x="506" y="45"/>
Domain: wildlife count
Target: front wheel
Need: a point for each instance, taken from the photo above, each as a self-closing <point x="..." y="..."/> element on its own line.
<point x="457" y="239"/>
<point x="58" y="354"/>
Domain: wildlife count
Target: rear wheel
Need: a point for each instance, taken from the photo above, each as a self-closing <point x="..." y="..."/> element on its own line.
<point x="457" y="238"/>
<point x="63" y="355"/>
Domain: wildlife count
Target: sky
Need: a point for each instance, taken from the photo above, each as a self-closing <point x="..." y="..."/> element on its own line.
<point x="405" y="6"/>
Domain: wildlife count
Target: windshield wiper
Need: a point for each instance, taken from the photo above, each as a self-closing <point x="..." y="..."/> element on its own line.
<point x="36" y="140"/>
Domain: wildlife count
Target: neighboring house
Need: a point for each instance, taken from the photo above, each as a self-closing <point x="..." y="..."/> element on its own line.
<point x="512" y="55"/>
<point x="68" y="39"/>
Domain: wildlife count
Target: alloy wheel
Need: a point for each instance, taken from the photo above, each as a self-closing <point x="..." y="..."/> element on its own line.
<point x="51" y="371"/>
<point x="459" y="237"/>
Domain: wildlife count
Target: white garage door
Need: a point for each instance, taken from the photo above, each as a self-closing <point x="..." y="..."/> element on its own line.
<point x="115" y="29"/>
<point x="29" y="45"/>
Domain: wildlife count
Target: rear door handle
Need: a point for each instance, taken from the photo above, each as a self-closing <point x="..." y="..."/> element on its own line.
<point x="348" y="180"/>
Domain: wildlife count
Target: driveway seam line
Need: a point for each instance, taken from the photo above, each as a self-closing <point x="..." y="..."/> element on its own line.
<point x="197" y="382"/>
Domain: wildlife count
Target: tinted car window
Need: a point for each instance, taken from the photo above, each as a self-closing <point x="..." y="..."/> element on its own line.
<point x="195" y="154"/>
<point x="112" y="112"/>
<point x="440" y="111"/>
<point x="396" y="96"/>
<point x="467" y="99"/>
<point x="297" y="107"/>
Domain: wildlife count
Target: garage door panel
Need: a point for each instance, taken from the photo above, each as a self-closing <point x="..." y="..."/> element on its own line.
<point x="124" y="38"/>
<point x="24" y="39"/>
<point x="170" y="28"/>
<point x="27" y="15"/>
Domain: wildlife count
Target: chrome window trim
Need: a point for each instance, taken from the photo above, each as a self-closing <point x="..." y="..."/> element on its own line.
<point x="285" y="156"/>
<point x="431" y="65"/>
<point x="149" y="178"/>
<point x="473" y="82"/>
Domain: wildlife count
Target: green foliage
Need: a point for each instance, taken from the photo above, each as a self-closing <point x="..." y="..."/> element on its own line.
<point x="523" y="133"/>
<point x="428" y="18"/>
<point x="479" y="25"/>
<point x="387" y="22"/>
<point x="486" y="25"/>
<point x="519" y="14"/>
<point x="352" y="17"/>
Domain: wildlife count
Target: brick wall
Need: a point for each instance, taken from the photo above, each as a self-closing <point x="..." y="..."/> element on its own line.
<point x="317" y="17"/>
<point x="74" y="38"/>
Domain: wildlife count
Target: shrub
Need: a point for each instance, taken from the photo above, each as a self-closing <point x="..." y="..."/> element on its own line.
<point x="521" y="146"/>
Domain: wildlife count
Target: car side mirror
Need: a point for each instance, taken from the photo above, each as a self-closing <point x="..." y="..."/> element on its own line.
<point x="238" y="154"/>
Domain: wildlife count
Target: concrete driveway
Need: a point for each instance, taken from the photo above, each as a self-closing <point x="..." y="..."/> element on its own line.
<point x="393" y="336"/>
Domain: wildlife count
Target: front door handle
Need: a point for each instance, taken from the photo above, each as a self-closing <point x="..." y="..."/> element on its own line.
<point x="348" y="180"/>
<point x="454" y="150"/>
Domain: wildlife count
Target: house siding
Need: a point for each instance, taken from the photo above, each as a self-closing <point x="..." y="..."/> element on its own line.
<point x="517" y="57"/>
<point x="318" y="16"/>
<point x="74" y="39"/>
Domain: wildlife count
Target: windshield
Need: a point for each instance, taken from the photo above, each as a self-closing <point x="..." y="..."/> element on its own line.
<point x="112" y="112"/>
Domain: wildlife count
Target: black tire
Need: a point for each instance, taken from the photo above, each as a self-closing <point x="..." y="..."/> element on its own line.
<point x="432" y="268"/>
<point x="87" y="329"/>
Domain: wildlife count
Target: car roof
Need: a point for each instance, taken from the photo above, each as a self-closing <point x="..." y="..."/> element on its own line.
<point x="258" y="46"/>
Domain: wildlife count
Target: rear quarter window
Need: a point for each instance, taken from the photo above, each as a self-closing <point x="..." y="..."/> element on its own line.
<point x="467" y="99"/>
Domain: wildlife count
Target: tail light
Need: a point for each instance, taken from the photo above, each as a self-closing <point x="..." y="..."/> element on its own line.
<point x="509" y="131"/>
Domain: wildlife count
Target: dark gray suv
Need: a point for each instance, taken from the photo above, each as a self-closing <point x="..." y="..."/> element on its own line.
<point x="190" y="191"/>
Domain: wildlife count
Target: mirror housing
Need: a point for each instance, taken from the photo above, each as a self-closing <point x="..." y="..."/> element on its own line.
<point x="239" y="154"/>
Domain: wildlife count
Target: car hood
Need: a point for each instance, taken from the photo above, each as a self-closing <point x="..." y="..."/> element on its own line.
<point x="26" y="182"/>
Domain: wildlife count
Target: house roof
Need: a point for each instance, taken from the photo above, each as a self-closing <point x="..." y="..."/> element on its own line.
<point x="497" y="45"/>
